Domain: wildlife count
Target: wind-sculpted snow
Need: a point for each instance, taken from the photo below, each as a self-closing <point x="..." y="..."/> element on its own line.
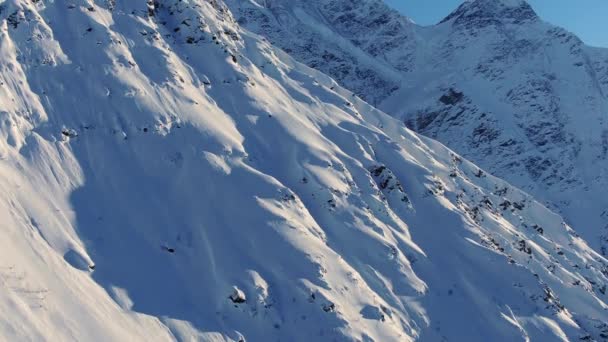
<point x="534" y="96"/>
<point x="166" y="175"/>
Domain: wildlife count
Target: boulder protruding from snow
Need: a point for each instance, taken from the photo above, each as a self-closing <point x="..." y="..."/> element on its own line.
<point x="237" y="296"/>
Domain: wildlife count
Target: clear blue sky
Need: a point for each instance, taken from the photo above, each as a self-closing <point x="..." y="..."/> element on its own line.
<point x="586" y="18"/>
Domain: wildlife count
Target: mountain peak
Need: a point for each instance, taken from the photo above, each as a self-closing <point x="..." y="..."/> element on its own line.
<point x="507" y="3"/>
<point x="481" y="13"/>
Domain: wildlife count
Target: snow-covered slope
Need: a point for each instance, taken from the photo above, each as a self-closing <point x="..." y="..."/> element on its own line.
<point x="360" y="43"/>
<point x="166" y="175"/>
<point x="518" y="96"/>
<point x="527" y="103"/>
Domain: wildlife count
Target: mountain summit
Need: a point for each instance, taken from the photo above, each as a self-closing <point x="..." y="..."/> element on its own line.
<point x="480" y="13"/>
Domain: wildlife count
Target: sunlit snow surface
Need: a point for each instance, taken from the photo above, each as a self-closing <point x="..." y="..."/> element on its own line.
<point x="518" y="96"/>
<point x="166" y="175"/>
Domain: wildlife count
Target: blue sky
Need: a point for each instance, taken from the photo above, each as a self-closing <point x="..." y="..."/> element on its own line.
<point x="586" y="18"/>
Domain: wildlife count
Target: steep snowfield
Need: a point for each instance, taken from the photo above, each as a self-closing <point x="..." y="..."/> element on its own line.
<point x="527" y="104"/>
<point x="521" y="98"/>
<point x="166" y="175"/>
<point x="360" y="43"/>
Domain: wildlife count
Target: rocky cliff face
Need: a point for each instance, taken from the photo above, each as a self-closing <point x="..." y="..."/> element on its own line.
<point x="520" y="97"/>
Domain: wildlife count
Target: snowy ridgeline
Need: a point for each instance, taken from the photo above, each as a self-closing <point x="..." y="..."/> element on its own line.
<point x="166" y="175"/>
<point x="531" y="98"/>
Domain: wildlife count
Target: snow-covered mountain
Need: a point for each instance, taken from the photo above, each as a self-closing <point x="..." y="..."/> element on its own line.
<point x="167" y="175"/>
<point x="360" y="43"/>
<point x="520" y="97"/>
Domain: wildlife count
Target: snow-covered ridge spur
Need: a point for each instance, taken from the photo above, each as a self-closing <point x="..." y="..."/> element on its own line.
<point x="532" y="96"/>
<point x="167" y="175"/>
